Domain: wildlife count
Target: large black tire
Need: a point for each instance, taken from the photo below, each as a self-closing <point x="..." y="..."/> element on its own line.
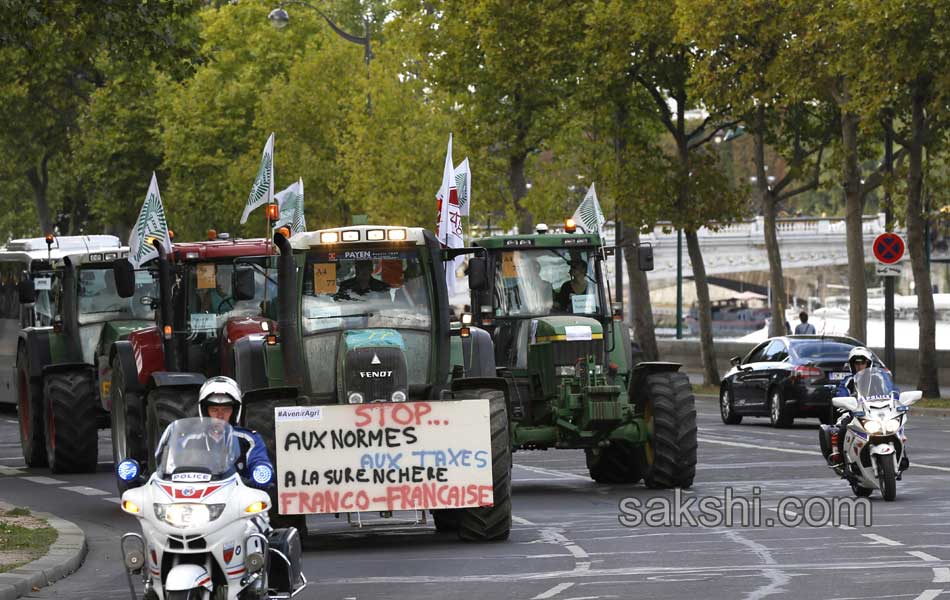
<point x="164" y="406"/>
<point x="71" y="420"/>
<point x="887" y="476"/>
<point x="727" y="408"/>
<point x="617" y="463"/>
<point x="779" y="413"/>
<point x="670" y="413"/>
<point x="128" y="420"/>
<point x="491" y="523"/>
<point x="30" y="412"/>
<point x="859" y="491"/>
<point x="446" y="519"/>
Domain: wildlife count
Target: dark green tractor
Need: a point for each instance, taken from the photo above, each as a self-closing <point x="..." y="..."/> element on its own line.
<point x="364" y="317"/>
<point x="568" y="359"/>
<point x="63" y="371"/>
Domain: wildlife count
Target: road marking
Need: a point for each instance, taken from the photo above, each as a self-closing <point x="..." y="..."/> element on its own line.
<point x="10" y="470"/>
<point x="553" y="591"/>
<point x="557" y="474"/>
<point x="43" y="480"/>
<point x="929" y="595"/>
<point x="114" y="500"/>
<point x="880" y="539"/>
<point x="521" y="521"/>
<point x="941" y="574"/>
<point x="85" y="490"/>
<point x="934" y="467"/>
<point x="923" y="556"/>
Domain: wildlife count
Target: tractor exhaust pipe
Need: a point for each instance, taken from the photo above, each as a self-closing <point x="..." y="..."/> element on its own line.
<point x="165" y="308"/>
<point x="70" y="316"/>
<point x="287" y="311"/>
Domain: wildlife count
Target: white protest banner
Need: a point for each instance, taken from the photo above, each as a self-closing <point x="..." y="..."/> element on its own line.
<point x="383" y="457"/>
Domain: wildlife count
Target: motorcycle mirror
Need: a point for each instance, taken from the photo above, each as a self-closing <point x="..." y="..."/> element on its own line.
<point x="846" y="402"/>
<point x="477" y="273"/>
<point x="244" y="284"/>
<point x="908" y="398"/>
<point x="124" y="274"/>
<point x="26" y="291"/>
<point x="735" y="361"/>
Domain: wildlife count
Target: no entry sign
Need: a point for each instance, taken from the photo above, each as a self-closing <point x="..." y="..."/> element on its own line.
<point x="888" y="248"/>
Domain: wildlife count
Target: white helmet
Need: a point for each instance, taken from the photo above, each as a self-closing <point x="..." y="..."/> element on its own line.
<point x="220" y="391"/>
<point x="859" y="353"/>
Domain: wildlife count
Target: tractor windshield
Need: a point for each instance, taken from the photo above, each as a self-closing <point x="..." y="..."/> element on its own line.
<point x="365" y="289"/>
<point x="213" y="302"/>
<point x="545" y="281"/>
<point x="99" y="301"/>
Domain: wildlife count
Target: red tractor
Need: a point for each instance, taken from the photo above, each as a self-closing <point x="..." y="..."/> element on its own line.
<point x="213" y="297"/>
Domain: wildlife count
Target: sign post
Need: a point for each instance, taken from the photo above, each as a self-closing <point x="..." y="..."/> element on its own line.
<point x="888" y="250"/>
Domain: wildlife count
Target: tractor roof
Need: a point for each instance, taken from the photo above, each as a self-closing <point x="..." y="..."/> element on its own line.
<point x="30" y="249"/>
<point x="211" y="250"/>
<point x="538" y="240"/>
<point x="354" y="235"/>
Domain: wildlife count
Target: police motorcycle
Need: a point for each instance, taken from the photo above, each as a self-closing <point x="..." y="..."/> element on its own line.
<point x="874" y="440"/>
<point x="205" y="534"/>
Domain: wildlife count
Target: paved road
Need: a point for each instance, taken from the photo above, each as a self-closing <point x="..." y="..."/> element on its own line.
<point x="567" y="542"/>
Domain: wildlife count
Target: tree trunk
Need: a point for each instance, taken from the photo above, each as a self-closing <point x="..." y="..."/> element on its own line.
<point x="39" y="181"/>
<point x="927" y="340"/>
<point x="854" y="212"/>
<point x="770" y="213"/>
<point x="518" y="186"/>
<point x="710" y="370"/>
<point x="641" y="309"/>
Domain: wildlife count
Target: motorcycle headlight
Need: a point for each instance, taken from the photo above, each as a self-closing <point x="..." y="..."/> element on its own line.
<point x="892" y="426"/>
<point x="188" y="515"/>
<point x="567" y="371"/>
<point x="872" y="426"/>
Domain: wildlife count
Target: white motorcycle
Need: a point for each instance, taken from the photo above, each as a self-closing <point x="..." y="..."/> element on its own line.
<point x="874" y="440"/>
<point x="205" y="534"/>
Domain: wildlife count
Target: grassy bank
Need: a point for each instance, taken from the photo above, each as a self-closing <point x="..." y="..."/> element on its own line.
<point x="23" y="538"/>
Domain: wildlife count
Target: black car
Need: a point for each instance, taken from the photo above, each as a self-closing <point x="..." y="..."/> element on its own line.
<point x="785" y="378"/>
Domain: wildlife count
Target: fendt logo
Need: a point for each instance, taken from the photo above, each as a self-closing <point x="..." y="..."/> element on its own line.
<point x="375" y="374"/>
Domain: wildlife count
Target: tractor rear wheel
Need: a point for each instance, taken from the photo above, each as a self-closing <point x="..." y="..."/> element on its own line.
<point x="71" y="421"/>
<point x="162" y="407"/>
<point x="617" y="463"/>
<point x="489" y="523"/>
<point x="128" y="420"/>
<point x="30" y="412"/>
<point x="669" y="457"/>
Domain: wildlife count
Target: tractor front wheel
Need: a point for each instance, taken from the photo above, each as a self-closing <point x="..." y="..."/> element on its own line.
<point x="164" y="406"/>
<point x="617" y="463"/>
<point x="669" y="458"/>
<point x="71" y="421"/>
<point x="30" y="412"/>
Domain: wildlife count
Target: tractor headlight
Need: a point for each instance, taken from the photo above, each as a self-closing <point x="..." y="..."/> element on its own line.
<point x="399" y="396"/>
<point x="565" y="371"/>
<point x="355" y="398"/>
<point x="188" y="515"/>
<point x="872" y="426"/>
<point x="892" y="426"/>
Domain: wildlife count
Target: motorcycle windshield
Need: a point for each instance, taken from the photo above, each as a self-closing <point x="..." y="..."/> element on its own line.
<point x="873" y="383"/>
<point x="200" y="446"/>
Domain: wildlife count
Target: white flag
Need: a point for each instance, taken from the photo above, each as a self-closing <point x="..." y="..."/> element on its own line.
<point x="449" y="227"/>
<point x="291" y="208"/>
<point x="588" y="215"/>
<point x="150" y="225"/>
<point x="463" y="185"/>
<point x="263" y="190"/>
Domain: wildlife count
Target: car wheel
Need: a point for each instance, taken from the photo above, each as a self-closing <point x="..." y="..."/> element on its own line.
<point x="726" y="408"/>
<point x="778" y="413"/>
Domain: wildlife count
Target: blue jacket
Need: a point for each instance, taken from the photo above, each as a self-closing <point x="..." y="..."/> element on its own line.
<point x="253" y="454"/>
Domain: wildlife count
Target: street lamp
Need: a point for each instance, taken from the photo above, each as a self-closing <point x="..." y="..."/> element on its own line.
<point x="279" y="18"/>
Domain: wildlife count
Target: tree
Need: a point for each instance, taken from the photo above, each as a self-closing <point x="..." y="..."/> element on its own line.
<point x="50" y="58"/>
<point x="742" y="42"/>
<point x="661" y="65"/>
<point x="503" y="64"/>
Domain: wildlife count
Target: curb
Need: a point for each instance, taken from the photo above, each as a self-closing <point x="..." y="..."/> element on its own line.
<point x="65" y="555"/>
<point x="921" y="411"/>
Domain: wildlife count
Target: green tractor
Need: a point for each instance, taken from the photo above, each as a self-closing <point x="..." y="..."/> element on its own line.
<point x="364" y="317"/>
<point x="569" y="362"/>
<point x="63" y="372"/>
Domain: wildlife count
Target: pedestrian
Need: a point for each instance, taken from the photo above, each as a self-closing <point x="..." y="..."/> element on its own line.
<point x="804" y="327"/>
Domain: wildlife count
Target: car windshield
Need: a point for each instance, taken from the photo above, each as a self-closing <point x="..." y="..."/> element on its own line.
<point x="821" y="349"/>
<point x="100" y="301"/>
<point x="357" y="289"/>
<point x="213" y="303"/>
<point x="198" y="445"/>
<point x="873" y="383"/>
<point x="545" y="281"/>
